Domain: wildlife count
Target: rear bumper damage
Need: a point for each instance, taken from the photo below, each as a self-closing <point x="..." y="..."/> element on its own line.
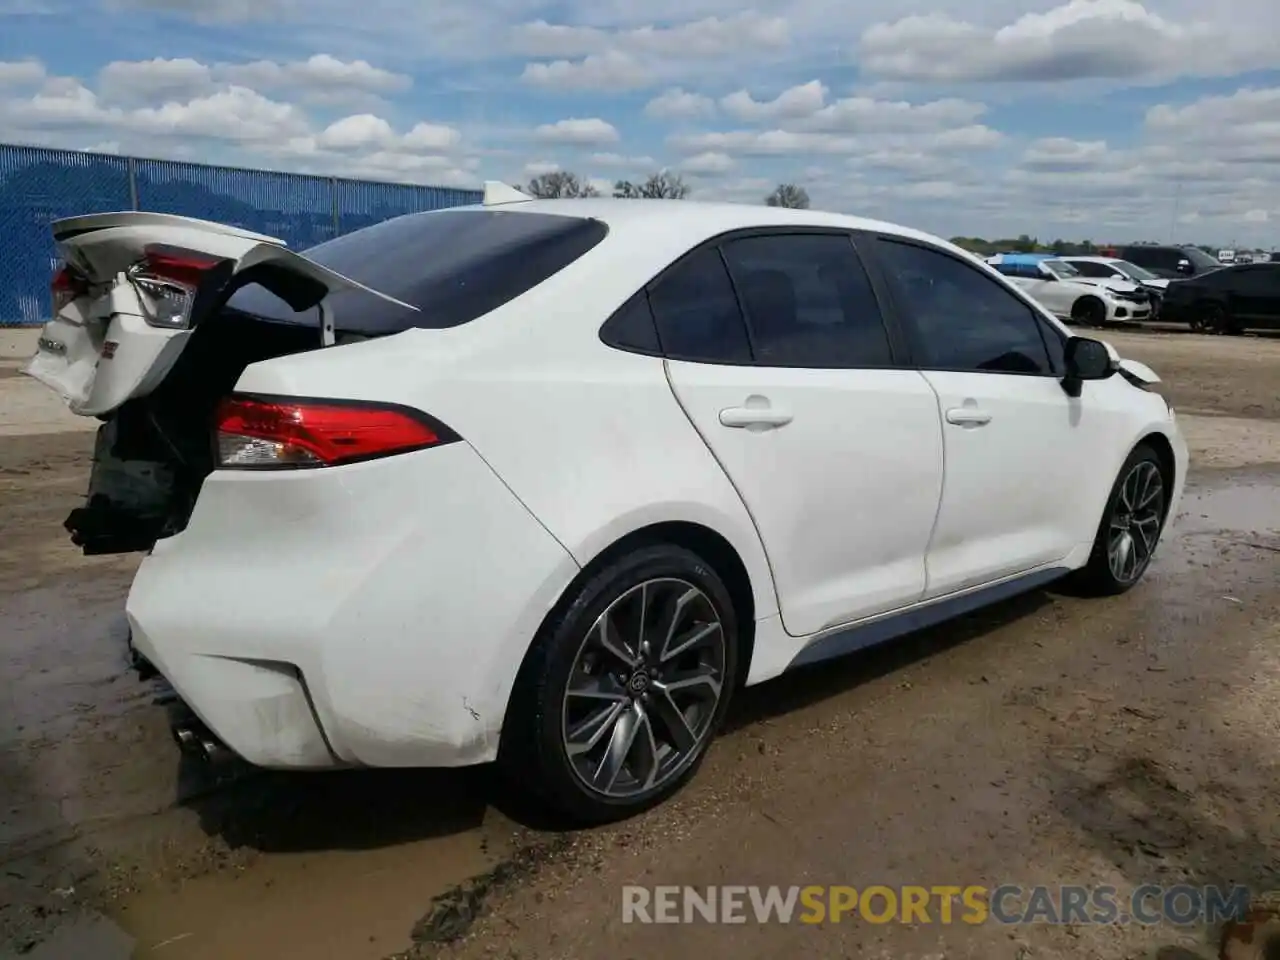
<point x="368" y="615"/>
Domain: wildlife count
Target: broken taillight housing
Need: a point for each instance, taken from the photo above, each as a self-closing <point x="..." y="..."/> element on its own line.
<point x="275" y="433"/>
<point x="67" y="285"/>
<point x="168" y="279"/>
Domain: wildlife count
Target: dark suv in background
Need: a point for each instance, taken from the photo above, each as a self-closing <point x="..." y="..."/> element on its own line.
<point x="1170" y="262"/>
<point x="1230" y="300"/>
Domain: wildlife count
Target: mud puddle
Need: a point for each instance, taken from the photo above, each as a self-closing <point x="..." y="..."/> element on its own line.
<point x="99" y="814"/>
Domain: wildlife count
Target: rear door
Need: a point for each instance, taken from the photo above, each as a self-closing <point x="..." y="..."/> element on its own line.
<point x="135" y="285"/>
<point x="834" y="447"/>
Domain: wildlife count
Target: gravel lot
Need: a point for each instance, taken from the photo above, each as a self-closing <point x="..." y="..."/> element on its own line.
<point x="1048" y="740"/>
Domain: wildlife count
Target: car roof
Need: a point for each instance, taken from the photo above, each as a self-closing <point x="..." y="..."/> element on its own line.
<point x="708" y="219"/>
<point x="1088" y="259"/>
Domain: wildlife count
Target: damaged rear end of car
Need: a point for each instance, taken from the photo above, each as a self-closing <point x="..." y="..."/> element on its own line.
<point x="143" y="338"/>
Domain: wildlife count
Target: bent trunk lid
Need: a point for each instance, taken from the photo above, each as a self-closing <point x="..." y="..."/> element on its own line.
<point x="105" y="346"/>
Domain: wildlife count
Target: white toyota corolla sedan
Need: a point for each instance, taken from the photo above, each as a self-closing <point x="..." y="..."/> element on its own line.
<point x="545" y="481"/>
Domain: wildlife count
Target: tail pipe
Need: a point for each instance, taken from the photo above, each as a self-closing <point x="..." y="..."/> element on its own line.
<point x="196" y="740"/>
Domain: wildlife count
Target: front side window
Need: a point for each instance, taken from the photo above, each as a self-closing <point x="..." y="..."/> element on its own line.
<point x="962" y="319"/>
<point x="808" y="301"/>
<point x="1088" y="268"/>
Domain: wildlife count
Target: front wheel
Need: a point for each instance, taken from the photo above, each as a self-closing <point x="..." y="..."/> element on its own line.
<point x="1089" y="312"/>
<point x="1217" y="319"/>
<point x="1131" y="526"/>
<point x="625" y="687"/>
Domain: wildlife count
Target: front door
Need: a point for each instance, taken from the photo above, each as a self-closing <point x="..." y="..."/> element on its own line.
<point x="1014" y="441"/>
<point x="836" y="452"/>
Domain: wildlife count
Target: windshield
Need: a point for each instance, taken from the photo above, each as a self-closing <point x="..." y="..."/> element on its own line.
<point x="1200" y="258"/>
<point x="1134" y="272"/>
<point x="1061" y="268"/>
<point x="453" y="265"/>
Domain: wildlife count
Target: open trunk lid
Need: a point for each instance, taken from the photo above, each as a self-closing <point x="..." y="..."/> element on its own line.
<point x="134" y="286"/>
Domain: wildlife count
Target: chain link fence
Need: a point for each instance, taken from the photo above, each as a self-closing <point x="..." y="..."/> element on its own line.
<point x="38" y="186"/>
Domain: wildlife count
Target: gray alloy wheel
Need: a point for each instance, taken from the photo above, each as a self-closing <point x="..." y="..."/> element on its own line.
<point x="1133" y="528"/>
<point x="644" y="688"/>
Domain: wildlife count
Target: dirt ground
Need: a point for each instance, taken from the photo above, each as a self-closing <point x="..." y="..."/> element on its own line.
<point x="1046" y="741"/>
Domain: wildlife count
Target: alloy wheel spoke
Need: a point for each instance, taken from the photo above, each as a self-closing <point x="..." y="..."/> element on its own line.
<point x="625" y="730"/>
<point x="703" y="682"/>
<point x="607" y="633"/>
<point x="645" y="763"/>
<point x="588" y="733"/>
<point x="672" y="720"/>
<point x="696" y="635"/>
<point x="673" y="619"/>
<point x="601" y="687"/>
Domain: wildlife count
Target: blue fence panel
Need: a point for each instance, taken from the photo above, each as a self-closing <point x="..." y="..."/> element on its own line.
<point x="361" y="204"/>
<point x="39" y="185"/>
<point x="297" y="209"/>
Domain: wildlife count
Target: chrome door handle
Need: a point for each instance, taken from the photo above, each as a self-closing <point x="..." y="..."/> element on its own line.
<point x="762" y="418"/>
<point x="968" y="417"/>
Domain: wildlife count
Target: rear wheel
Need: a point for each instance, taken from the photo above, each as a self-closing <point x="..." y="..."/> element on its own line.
<point x="1089" y="312"/>
<point x="1131" y="526"/>
<point x="625" y="687"/>
<point x="1218" y="319"/>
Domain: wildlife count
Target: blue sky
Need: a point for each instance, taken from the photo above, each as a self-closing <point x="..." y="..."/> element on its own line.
<point x="1109" y="119"/>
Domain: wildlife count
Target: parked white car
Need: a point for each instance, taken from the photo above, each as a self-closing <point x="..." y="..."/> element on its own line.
<point x="1112" y="268"/>
<point x="576" y="471"/>
<point x="1069" y="295"/>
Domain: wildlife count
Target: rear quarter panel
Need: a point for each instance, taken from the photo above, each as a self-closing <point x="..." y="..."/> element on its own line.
<point x="589" y="438"/>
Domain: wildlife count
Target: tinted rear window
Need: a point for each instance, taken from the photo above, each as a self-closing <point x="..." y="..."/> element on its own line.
<point x="453" y="265"/>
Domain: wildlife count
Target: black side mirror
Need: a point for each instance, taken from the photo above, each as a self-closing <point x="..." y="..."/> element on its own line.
<point x="1086" y="359"/>
<point x="1185" y="268"/>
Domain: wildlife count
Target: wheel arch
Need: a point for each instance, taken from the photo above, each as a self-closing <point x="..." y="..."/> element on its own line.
<point x="708" y="543"/>
<point x="1163" y="450"/>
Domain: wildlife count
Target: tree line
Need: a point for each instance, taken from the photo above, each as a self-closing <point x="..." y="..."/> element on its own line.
<point x="663" y="185"/>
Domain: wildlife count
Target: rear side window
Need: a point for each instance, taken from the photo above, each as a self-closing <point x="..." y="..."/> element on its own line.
<point x="697" y="312"/>
<point x="452" y="265"/>
<point x="808" y="301"/>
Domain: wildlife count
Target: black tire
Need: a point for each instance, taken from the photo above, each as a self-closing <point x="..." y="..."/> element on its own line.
<point x="1126" y="513"/>
<point x="1218" y="319"/>
<point x="534" y="751"/>
<point x="1089" y="312"/>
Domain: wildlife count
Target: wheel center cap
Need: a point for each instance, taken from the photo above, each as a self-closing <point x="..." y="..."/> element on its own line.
<point x="639" y="682"/>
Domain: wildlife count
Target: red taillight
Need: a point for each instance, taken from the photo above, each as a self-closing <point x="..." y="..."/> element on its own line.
<point x="178" y="266"/>
<point x="66" y="286"/>
<point x="274" y="433"/>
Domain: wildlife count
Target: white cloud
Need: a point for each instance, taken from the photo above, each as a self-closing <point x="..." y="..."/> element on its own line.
<point x="1063" y="154"/>
<point x="709" y="163"/>
<point x="801" y="101"/>
<point x="319" y="74"/>
<point x="631" y="59"/>
<point x="591" y="131"/>
<point x="20" y="73"/>
<point x="707" y="37"/>
<point x="620" y="161"/>
<point x="609" y="71"/>
<point x="677" y="104"/>
<point x="1080" y="39"/>
<point x="155" y="81"/>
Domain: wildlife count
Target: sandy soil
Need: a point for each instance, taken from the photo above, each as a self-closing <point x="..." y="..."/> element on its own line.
<point x="1049" y="740"/>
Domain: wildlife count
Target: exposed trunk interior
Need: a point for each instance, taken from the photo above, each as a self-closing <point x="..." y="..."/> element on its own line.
<point x="152" y="454"/>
